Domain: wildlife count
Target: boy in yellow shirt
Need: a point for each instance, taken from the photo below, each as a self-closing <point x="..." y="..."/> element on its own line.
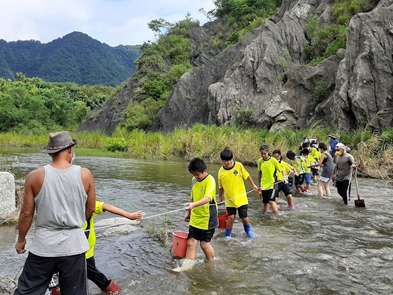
<point x="299" y="165"/>
<point x="231" y="178"/>
<point x="307" y="171"/>
<point x="268" y="167"/>
<point x="202" y="211"/>
<point x="283" y="185"/>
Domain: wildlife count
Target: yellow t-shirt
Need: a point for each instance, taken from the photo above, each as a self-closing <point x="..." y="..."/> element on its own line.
<point x="315" y="154"/>
<point x="204" y="217"/>
<point x="91" y="235"/>
<point x="269" y="169"/>
<point x="232" y="180"/>
<point x="309" y="161"/>
<point x="286" y="168"/>
<point x="299" y="164"/>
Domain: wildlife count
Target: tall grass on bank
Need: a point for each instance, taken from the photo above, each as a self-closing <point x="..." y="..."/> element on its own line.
<point x="373" y="152"/>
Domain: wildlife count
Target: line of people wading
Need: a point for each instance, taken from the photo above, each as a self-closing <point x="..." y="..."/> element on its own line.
<point x="63" y="195"/>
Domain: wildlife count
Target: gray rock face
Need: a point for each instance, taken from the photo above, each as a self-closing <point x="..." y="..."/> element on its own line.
<point x="364" y="80"/>
<point x="266" y="73"/>
<point x="188" y="102"/>
<point x="7" y="193"/>
<point x="107" y="118"/>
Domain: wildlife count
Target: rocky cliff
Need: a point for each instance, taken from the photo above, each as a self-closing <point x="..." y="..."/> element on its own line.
<point x="266" y="73"/>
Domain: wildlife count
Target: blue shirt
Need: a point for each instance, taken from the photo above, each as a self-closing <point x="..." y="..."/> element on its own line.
<point x="333" y="146"/>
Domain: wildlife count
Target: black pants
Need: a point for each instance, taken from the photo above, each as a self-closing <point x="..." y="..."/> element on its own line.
<point x="344" y="190"/>
<point x="94" y="275"/>
<point x="38" y="271"/>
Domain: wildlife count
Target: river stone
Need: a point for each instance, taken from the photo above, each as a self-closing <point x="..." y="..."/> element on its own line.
<point x="116" y="226"/>
<point x="7" y="193"/>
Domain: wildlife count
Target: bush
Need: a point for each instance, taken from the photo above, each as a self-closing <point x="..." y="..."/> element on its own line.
<point x="322" y="92"/>
<point x="245" y="118"/>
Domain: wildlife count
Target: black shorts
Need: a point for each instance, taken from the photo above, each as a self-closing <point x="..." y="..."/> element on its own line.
<point x="198" y="234"/>
<point x="283" y="187"/>
<point x="299" y="180"/>
<point x="38" y="271"/>
<point x="315" y="172"/>
<point x="242" y="210"/>
<point x="268" y="196"/>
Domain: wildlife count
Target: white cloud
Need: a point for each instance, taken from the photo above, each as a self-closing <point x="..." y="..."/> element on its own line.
<point x="113" y="22"/>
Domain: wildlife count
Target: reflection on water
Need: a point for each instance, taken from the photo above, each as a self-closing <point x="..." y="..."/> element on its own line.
<point x="323" y="247"/>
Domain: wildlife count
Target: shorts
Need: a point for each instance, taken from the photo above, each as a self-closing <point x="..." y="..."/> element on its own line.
<point x="268" y="196"/>
<point x="314" y="171"/>
<point x="290" y="181"/>
<point x="325" y="179"/>
<point x="203" y="235"/>
<point x="242" y="210"/>
<point x="308" y="177"/>
<point x="283" y="187"/>
<point x="299" y="180"/>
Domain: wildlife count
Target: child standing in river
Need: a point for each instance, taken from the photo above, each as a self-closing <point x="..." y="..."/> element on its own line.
<point x="268" y="167"/>
<point x="202" y="211"/>
<point x="231" y="178"/>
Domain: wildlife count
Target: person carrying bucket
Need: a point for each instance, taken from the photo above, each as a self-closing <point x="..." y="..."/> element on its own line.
<point x="231" y="178"/>
<point x="201" y="211"/>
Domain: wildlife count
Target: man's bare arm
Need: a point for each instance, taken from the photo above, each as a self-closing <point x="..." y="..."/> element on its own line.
<point x="90" y="188"/>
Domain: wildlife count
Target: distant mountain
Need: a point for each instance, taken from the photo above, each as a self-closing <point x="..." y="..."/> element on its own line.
<point x="75" y="57"/>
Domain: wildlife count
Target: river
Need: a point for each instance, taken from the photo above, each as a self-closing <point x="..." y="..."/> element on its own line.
<point x="322" y="247"/>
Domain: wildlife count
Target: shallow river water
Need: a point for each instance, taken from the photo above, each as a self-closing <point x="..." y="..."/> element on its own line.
<point x="322" y="247"/>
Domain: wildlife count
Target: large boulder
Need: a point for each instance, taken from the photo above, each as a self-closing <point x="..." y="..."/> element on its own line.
<point x="7" y="194"/>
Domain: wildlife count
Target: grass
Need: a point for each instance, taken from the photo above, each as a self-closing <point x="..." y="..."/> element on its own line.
<point x="373" y="152"/>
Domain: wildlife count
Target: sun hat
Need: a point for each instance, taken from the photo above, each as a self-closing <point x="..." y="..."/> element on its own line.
<point x="59" y="141"/>
<point x="332" y="136"/>
<point x="340" y="146"/>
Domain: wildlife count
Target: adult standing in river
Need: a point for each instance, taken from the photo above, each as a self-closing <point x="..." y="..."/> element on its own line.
<point x="63" y="196"/>
<point x="343" y="172"/>
<point x="326" y="161"/>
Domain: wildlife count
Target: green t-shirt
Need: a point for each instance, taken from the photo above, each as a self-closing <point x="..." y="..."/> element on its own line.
<point x="204" y="217"/>
<point x="269" y="168"/>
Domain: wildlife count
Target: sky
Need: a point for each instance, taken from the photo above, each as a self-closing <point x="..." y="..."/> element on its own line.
<point x="113" y="22"/>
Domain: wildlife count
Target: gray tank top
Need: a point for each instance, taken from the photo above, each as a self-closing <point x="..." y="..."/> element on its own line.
<point x="328" y="166"/>
<point x="60" y="207"/>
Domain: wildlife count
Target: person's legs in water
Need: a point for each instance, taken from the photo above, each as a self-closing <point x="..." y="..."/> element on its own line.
<point x="342" y="189"/>
<point x="231" y="219"/>
<point x="246" y="221"/>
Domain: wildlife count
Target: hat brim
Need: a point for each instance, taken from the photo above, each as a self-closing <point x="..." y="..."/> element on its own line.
<point x="332" y="136"/>
<point x="53" y="151"/>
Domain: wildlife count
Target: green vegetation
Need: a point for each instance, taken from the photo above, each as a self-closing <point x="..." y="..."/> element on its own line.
<point x="326" y="40"/>
<point x="31" y="105"/>
<point x="240" y="17"/>
<point x="373" y="152"/>
<point x="321" y="92"/>
<point x="160" y="67"/>
<point x="75" y="58"/>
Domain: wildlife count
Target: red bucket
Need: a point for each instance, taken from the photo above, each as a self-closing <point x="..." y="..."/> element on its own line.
<point x="222" y="219"/>
<point x="179" y="243"/>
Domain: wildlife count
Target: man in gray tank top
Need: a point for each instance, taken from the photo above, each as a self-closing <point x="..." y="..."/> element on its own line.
<point x="64" y="196"/>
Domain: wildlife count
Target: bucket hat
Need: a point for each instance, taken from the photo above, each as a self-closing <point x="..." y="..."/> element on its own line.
<point x="59" y="141"/>
<point x="332" y="136"/>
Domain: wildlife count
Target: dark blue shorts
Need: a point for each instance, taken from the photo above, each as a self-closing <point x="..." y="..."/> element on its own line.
<point x="198" y="234"/>
<point x="242" y="211"/>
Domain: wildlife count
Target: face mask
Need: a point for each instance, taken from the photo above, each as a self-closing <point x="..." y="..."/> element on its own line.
<point x="338" y="153"/>
<point x="73" y="157"/>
